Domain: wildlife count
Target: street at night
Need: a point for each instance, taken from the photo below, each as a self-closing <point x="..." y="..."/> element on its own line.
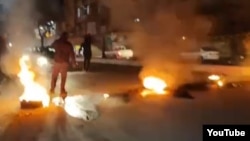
<point x="124" y="70"/>
<point x="152" y="118"/>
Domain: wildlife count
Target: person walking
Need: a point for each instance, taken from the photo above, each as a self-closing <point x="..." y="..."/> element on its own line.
<point x="64" y="55"/>
<point x="87" y="52"/>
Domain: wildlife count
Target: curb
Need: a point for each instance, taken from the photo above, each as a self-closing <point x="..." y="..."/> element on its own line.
<point x="113" y="62"/>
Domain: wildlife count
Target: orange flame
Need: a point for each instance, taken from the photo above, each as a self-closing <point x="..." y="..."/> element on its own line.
<point x="154" y="85"/>
<point x="32" y="90"/>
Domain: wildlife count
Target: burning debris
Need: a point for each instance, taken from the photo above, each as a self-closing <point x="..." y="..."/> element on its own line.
<point x="151" y="86"/>
<point x="34" y="95"/>
<point x="106" y="96"/>
<point x="217" y="80"/>
<point x="157" y="86"/>
<point x="154" y="86"/>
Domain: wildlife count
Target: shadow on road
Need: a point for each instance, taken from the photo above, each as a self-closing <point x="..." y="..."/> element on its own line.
<point x="60" y="128"/>
<point x="25" y="126"/>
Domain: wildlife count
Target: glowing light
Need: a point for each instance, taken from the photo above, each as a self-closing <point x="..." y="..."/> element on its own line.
<point x="32" y="90"/>
<point x="42" y="61"/>
<point x="58" y="101"/>
<point x="137" y="20"/>
<point x="106" y="96"/>
<point x="214" y="77"/>
<point x="184" y="37"/>
<point x="220" y="83"/>
<point x="154" y="85"/>
<point x="41" y="28"/>
<point x="10" y="44"/>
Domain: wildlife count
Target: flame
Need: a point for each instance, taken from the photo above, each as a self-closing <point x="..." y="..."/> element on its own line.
<point x="217" y="79"/>
<point x="32" y="90"/>
<point x="214" y="77"/>
<point x="154" y="85"/>
<point x="220" y="83"/>
<point x="106" y="96"/>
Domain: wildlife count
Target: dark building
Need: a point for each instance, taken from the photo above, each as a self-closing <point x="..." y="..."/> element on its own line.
<point x="3" y="16"/>
<point x="229" y="16"/>
<point x="84" y="16"/>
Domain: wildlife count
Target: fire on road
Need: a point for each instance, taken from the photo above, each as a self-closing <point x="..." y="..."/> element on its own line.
<point x="163" y="120"/>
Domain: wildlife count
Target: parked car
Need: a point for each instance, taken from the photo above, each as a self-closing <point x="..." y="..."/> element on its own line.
<point x="209" y="54"/>
<point x="120" y="52"/>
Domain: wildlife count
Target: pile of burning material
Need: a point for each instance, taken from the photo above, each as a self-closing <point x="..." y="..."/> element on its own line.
<point x="216" y="80"/>
<point x="152" y="86"/>
<point x="220" y="81"/>
<point x="210" y="81"/>
<point x="34" y="95"/>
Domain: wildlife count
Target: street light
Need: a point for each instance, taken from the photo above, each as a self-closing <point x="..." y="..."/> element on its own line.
<point x="137" y="20"/>
<point x="184" y="38"/>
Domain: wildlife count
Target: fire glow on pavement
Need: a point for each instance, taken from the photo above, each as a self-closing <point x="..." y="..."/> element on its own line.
<point x="80" y="106"/>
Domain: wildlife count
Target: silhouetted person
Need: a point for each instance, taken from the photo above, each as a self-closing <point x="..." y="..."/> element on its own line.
<point x="64" y="55"/>
<point x="3" y="46"/>
<point x="3" y="52"/>
<point x="87" y="52"/>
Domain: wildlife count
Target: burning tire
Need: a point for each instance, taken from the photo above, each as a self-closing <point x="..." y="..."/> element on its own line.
<point x="34" y="95"/>
<point x="31" y="104"/>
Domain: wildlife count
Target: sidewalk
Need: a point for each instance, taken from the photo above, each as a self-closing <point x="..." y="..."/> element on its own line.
<point x="113" y="61"/>
<point x="220" y="69"/>
<point x="188" y="56"/>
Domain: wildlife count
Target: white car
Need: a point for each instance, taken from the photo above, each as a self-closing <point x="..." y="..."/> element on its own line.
<point x="209" y="54"/>
<point x="120" y="53"/>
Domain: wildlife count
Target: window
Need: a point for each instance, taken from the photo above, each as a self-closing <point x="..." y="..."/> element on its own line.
<point x="82" y="12"/>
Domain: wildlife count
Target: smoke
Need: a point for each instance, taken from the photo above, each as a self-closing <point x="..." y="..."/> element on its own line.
<point x="122" y="11"/>
<point x="167" y="29"/>
<point x="19" y="28"/>
<point x="21" y="23"/>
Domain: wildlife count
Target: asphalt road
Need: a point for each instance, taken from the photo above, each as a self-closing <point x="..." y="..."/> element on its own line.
<point x="158" y="118"/>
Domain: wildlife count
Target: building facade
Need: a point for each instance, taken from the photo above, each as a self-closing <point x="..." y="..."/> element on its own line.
<point x="85" y="16"/>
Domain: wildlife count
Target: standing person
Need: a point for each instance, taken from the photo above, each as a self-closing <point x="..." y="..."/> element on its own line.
<point x="64" y="55"/>
<point x="3" y="46"/>
<point x="3" y="51"/>
<point x="87" y="52"/>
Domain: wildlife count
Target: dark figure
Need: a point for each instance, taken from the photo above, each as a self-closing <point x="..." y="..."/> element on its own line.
<point x="3" y="46"/>
<point x="87" y="52"/>
<point x="64" y="53"/>
<point x="3" y="52"/>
